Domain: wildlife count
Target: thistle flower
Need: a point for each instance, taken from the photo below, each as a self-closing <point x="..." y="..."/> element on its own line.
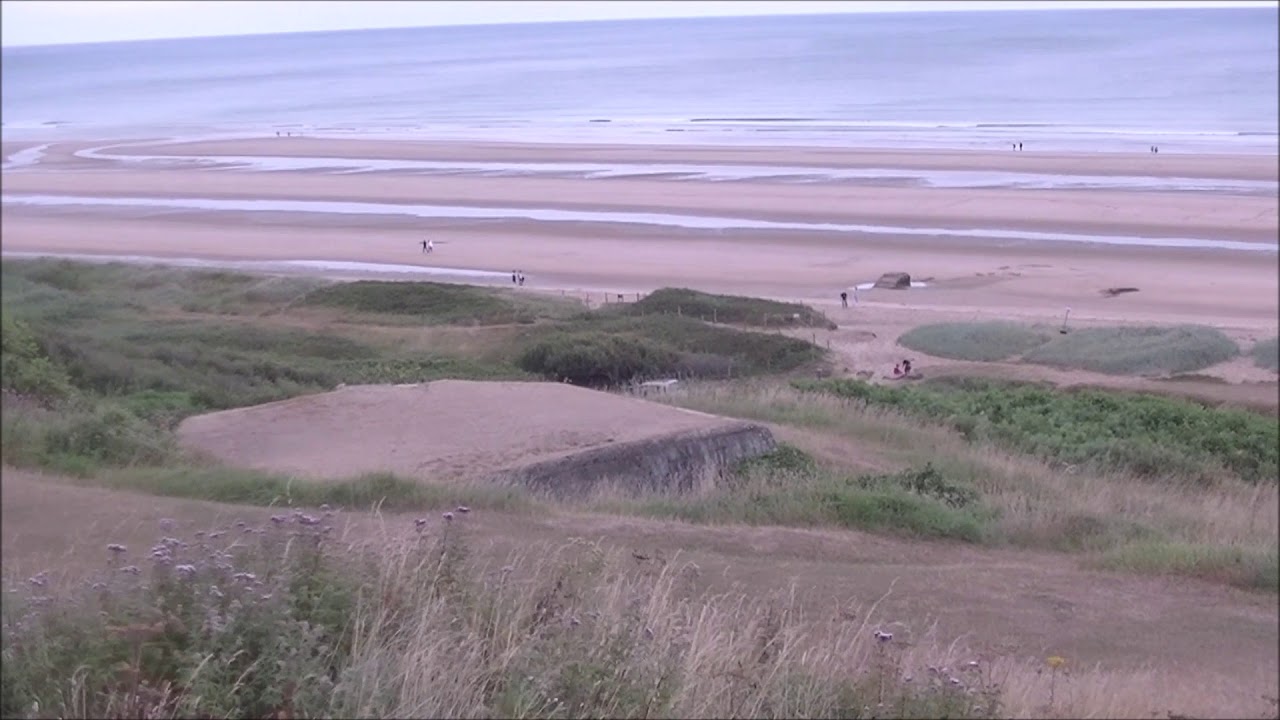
<point x="40" y="579"/>
<point x="131" y="569"/>
<point x="186" y="570"/>
<point x="883" y="636"/>
<point x="448" y="516"/>
<point x="308" y="520"/>
<point x="464" y="509"/>
<point x="245" y="577"/>
<point x="117" y="548"/>
<point x="278" y="519"/>
<point x="241" y="523"/>
<point x="325" y="508"/>
<point x="420" y="524"/>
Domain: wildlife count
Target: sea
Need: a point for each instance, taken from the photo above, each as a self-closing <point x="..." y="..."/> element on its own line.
<point x="1200" y="79"/>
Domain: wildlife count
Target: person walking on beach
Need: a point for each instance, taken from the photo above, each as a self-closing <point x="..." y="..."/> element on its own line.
<point x="521" y="279"/>
<point x="1019" y="147"/>
<point x="844" y="299"/>
<point x="426" y="246"/>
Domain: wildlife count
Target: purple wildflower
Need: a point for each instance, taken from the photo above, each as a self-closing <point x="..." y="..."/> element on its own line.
<point x="117" y="548"/>
<point x="464" y="509"/>
<point x="131" y="569"/>
<point x="186" y="570"/>
<point x="448" y="516"/>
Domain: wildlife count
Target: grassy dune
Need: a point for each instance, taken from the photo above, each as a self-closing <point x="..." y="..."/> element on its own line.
<point x="1110" y="350"/>
<point x="973" y="341"/>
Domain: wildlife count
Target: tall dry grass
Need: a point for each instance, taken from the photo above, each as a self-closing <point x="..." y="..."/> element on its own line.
<point x="421" y="621"/>
<point x="1038" y="505"/>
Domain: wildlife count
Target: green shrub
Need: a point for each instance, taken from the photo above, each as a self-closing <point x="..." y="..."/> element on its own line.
<point x="1266" y="354"/>
<point x="730" y="309"/>
<point x="925" y="482"/>
<point x="24" y="366"/>
<point x="1147" y="435"/>
<point x="597" y="359"/>
<point x="896" y="510"/>
<point x="787" y="460"/>
<point x="988" y="341"/>
<point x="1137" y="350"/>
<point x="108" y="434"/>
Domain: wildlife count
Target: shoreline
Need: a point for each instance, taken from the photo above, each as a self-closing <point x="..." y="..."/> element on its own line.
<point x="1262" y="166"/>
<point x="1233" y="218"/>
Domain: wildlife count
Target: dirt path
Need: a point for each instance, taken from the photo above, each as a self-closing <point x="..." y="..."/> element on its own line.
<point x="1020" y="603"/>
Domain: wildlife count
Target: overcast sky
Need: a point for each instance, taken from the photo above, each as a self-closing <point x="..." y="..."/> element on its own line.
<point x="40" y="22"/>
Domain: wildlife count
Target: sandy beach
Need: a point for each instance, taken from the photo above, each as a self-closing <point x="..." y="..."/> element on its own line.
<point x="966" y="277"/>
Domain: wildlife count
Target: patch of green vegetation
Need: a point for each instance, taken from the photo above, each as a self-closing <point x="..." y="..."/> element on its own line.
<point x="435" y="303"/>
<point x="1266" y="354"/>
<point x="1146" y="435"/>
<point x="985" y="341"/>
<point x="250" y="487"/>
<point x="728" y="309"/>
<point x="784" y="459"/>
<point x="1251" y="568"/>
<point x="1137" y="350"/>
<point x="786" y="490"/>
<point x="608" y="349"/>
<point x="25" y="368"/>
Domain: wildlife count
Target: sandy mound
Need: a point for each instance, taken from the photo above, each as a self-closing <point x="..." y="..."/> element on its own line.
<point x="448" y="429"/>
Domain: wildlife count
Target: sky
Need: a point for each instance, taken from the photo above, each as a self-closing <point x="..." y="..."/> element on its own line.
<point x="46" y="22"/>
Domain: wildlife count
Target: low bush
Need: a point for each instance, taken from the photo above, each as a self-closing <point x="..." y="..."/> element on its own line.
<point x="1137" y="350"/>
<point x="987" y="342"/>
<point x="925" y="482"/>
<point x="1266" y="354"/>
<point x="609" y="349"/>
<point x="729" y="309"/>
<point x="598" y="359"/>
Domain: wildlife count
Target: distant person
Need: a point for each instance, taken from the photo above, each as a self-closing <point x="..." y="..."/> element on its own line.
<point x="1019" y="147"/>
<point x="522" y="279"/>
<point x="424" y="247"/>
<point x="513" y="277"/>
<point x="1155" y="149"/>
<point x="897" y="370"/>
<point x="431" y="246"/>
<point x="906" y="367"/>
<point x="844" y="299"/>
<point x="1014" y="146"/>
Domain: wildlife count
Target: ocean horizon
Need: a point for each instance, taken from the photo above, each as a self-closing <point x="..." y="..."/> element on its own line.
<point x="1186" y="80"/>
